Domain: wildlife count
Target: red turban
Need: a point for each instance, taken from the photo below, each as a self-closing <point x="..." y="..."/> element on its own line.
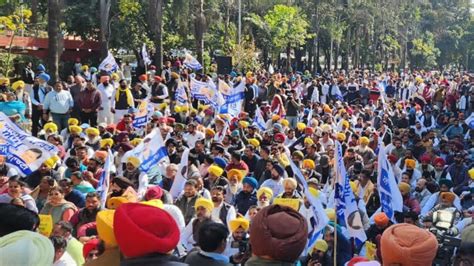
<point x="392" y="158"/>
<point x="309" y="131"/>
<point x="154" y="192"/>
<point x="279" y="137"/>
<point x="425" y="158"/>
<point x="158" y="78"/>
<point x="143" y="229"/>
<point x="89" y="246"/>
<point x="438" y="161"/>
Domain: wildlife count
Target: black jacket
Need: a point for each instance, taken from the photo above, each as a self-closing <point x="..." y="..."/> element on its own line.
<point x="151" y="260"/>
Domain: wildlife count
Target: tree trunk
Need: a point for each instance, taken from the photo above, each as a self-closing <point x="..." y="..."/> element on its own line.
<point x="34" y="11"/>
<point x="54" y="38"/>
<point x="199" y="29"/>
<point x="155" y="18"/>
<point x="104" y="27"/>
<point x="336" y="61"/>
<point x="226" y="23"/>
<point x="288" y="58"/>
<point x="331" y="48"/>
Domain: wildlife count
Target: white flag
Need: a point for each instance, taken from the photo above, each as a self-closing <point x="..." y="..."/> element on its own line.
<point x="145" y="56"/>
<point x="104" y="181"/>
<point x="191" y="62"/>
<point x="109" y="64"/>
<point x="181" y="176"/>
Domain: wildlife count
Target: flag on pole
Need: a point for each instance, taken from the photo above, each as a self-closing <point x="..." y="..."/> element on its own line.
<point x="346" y="206"/>
<point x="319" y="215"/>
<point x="145" y="110"/>
<point x="109" y="64"/>
<point x="181" y="176"/>
<point x="219" y="137"/>
<point x="390" y="196"/>
<point x="233" y="98"/>
<point x="104" y="181"/>
<point x="151" y="152"/>
<point x="259" y="121"/>
<point x="207" y="92"/>
<point x="145" y="56"/>
<point x="191" y="62"/>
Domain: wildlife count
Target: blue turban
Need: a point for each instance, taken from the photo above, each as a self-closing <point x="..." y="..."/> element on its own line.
<point x="251" y="181"/>
<point x="220" y="162"/>
<point x="44" y="77"/>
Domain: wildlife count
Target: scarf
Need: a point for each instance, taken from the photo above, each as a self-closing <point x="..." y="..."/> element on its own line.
<point x="128" y="94"/>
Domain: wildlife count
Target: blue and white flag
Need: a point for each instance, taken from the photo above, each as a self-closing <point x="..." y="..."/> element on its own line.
<point x="191" y="62"/>
<point x="234" y="98"/>
<point x="181" y="94"/>
<point x="104" y="181"/>
<point x="259" y="121"/>
<point x="145" y="56"/>
<point x="207" y="92"/>
<point x="181" y="176"/>
<point x="347" y="211"/>
<point x="109" y="64"/>
<point x="151" y="151"/>
<point x="319" y="215"/>
<point x="145" y="111"/>
<point x="22" y="151"/>
<point x="470" y="121"/>
<point x="390" y="197"/>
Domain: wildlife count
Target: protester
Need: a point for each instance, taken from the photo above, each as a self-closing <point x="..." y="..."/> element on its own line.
<point x="354" y="153"/>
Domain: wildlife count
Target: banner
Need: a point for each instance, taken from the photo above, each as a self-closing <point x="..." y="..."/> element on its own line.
<point x="191" y="62"/>
<point x="234" y="98"/>
<point x="22" y="151"/>
<point x="206" y="92"/>
<point x="346" y="206"/>
<point x="259" y="121"/>
<point x="319" y="219"/>
<point x="45" y="224"/>
<point x="181" y="175"/>
<point x="470" y="121"/>
<point x="151" y="152"/>
<point x="104" y="181"/>
<point x="145" y="111"/>
<point x="181" y="94"/>
<point x="109" y="64"/>
<point x="390" y="197"/>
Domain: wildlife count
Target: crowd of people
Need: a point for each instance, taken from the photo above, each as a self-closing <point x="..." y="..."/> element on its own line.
<point x="241" y="202"/>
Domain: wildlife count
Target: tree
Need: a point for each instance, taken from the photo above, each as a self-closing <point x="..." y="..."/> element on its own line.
<point x="424" y="53"/>
<point x="54" y="37"/>
<point x="104" y="27"/>
<point x="155" y="18"/>
<point x="14" y="23"/>
<point x="199" y="29"/>
<point x="288" y="28"/>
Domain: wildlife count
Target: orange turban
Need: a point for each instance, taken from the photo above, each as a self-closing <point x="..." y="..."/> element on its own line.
<point x="410" y="163"/>
<point x="406" y="244"/>
<point x="381" y="219"/>
<point x="448" y="196"/>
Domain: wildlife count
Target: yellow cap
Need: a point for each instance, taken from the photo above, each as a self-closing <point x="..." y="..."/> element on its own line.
<point x="244" y="124"/>
<point x="353" y="186"/>
<point x="133" y="161"/>
<point x="320" y="245"/>
<point x="331" y="213"/>
<point x="308" y="141"/>
<point x="340" y="136"/>
<point x="284" y="122"/>
<point x="364" y="140"/>
<point x="92" y="131"/>
<point x="300" y="126"/>
<point x="205" y="203"/>
<point x="210" y="132"/>
<point x="237" y="173"/>
<point x="75" y="129"/>
<point x="308" y="163"/>
<point x="105" y="227"/>
<point x="314" y="192"/>
<point x="19" y="84"/>
<point x="154" y="202"/>
<point x="471" y="173"/>
<point x="104" y="142"/>
<point x="72" y="121"/>
<point x="254" y="142"/>
<point x="50" y="126"/>
<point x="136" y="141"/>
<point x="114" y="202"/>
<point x="404" y="187"/>
<point x="51" y="162"/>
<point x="275" y="117"/>
<point x="215" y="170"/>
<point x="239" y="222"/>
<point x="345" y="124"/>
<point x="265" y="190"/>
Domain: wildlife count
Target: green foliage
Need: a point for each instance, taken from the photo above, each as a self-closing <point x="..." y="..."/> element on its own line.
<point x="244" y="57"/>
<point x="287" y="25"/>
<point x="424" y="51"/>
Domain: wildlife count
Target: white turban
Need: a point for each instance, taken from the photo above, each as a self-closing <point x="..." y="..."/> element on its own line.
<point x="26" y="248"/>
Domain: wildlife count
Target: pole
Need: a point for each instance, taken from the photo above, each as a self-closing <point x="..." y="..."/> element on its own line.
<point x="240" y="21"/>
<point x="334" y="251"/>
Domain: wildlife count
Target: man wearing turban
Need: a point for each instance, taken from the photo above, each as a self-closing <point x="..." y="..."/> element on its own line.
<point x="190" y="236"/>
